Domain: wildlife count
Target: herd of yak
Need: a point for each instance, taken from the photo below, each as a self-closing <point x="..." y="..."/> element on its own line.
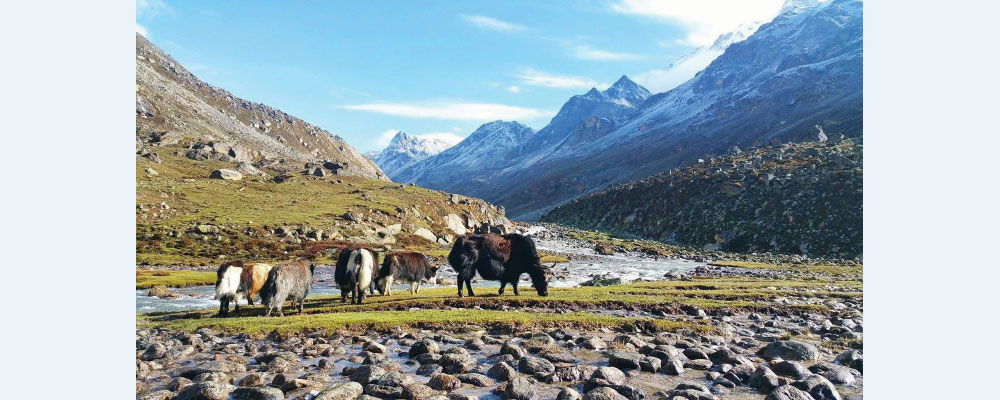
<point x="496" y="257"/>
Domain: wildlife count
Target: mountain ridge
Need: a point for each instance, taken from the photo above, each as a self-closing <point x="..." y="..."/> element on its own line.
<point x="177" y="111"/>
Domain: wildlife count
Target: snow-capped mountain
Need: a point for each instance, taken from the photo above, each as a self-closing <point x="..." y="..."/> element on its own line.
<point x="603" y="109"/>
<point x="490" y="145"/>
<point x="404" y="150"/>
<point x="582" y="119"/>
<point x="797" y="72"/>
<point x="684" y="68"/>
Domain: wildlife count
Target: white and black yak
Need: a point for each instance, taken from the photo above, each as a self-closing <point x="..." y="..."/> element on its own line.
<point x="498" y="258"/>
<point x="227" y="286"/>
<point x="404" y="266"/>
<point x="355" y="272"/>
<point x="290" y="281"/>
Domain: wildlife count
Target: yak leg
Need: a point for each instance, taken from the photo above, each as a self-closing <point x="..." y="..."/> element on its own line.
<point x="361" y="296"/>
<point x="463" y="277"/>
<point x="412" y="286"/>
<point x="300" y="305"/>
<point x="249" y="299"/>
<point x="223" y="305"/>
<point x="516" y="293"/>
<point x="343" y="294"/>
<point x="354" y="294"/>
<point x="468" y="284"/>
<point x="503" y="285"/>
<point x="418" y="287"/>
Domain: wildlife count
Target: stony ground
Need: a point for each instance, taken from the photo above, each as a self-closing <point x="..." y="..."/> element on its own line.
<point x="796" y="341"/>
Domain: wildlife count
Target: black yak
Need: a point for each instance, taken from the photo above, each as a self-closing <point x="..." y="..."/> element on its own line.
<point x="287" y="282"/>
<point x="404" y="266"/>
<point x="354" y="272"/>
<point x="498" y="258"/>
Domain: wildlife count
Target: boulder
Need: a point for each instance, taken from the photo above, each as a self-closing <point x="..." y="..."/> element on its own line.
<point x="475" y="379"/>
<point x="790" y="350"/>
<point x="206" y="391"/>
<point x="568" y="394"/>
<point x="424" y="346"/>
<point x="603" y="393"/>
<point x="426" y="234"/>
<point x="226" y="174"/>
<point x="455" y="223"/>
<point x="502" y="371"/>
<point x="258" y="393"/>
<point x="418" y="391"/>
<point x="624" y="359"/>
<point x="509" y="347"/>
<point x="366" y="374"/>
<point x="532" y="365"/>
<point x="520" y="389"/>
<point x="788" y="392"/>
<point x="444" y="382"/>
<point x="764" y="380"/>
<point x="341" y="391"/>
<point x="154" y="352"/>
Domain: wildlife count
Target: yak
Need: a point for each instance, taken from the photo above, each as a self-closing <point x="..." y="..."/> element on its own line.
<point x="354" y="272"/>
<point x="227" y="286"/>
<point x="498" y="258"/>
<point x="290" y="281"/>
<point x="252" y="280"/>
<point x="404" y="266"/>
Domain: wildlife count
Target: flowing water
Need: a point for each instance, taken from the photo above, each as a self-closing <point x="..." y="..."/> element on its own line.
<point x="584" y="264"/>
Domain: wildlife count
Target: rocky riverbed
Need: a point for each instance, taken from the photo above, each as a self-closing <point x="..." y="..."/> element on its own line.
<point x="774" y="334"/>
<point x="749" y="358"/>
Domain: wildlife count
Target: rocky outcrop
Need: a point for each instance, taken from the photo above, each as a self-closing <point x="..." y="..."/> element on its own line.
<point x="175" y="109"/>
<point x="798" y="199"/>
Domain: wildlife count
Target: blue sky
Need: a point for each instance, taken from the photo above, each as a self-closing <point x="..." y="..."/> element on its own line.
<point x="362" y="70"/>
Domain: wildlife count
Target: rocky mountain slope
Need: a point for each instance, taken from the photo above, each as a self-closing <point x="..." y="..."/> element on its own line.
<point x="404" y="150"/>
<point x="797" y="72"/>
<point x="803" y="198"/>
<point x="218" y="177"/>
<point x="471" y="161"/>
<point x="178" y="113"/>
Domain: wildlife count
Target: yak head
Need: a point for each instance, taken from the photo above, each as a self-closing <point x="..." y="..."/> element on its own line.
<point x="431" y="275"/>
<point x="540" y="276"/>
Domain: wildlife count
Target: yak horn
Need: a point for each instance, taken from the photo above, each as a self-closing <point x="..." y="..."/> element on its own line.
<point x="549" y="267"/>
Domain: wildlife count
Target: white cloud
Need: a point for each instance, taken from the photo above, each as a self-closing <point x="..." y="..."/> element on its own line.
<point x="705" y="20"/>
<point x="514" y="89"/>
<point x="384" y="138"/>
<point x="142" y="30"/>
<point x="587" y="53"/>
<point x="151" y="8"/>
<point x="484" y="22"/>
<point x="453" y="111"/>
<point x="662" y="80"/>
<point x="530" y="76"/>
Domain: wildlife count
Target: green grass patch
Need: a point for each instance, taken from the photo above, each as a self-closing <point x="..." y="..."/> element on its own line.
<point x="837" y="270"/>
<point x="424" y="319"/>
<point x="147" y="278"/>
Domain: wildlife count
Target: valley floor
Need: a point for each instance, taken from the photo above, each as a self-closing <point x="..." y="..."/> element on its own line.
<point x="736" y="329"/>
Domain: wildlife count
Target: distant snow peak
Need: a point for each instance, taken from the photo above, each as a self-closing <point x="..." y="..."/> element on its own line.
<point x="685" y="67"/>
<point x="404" y="150"/>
